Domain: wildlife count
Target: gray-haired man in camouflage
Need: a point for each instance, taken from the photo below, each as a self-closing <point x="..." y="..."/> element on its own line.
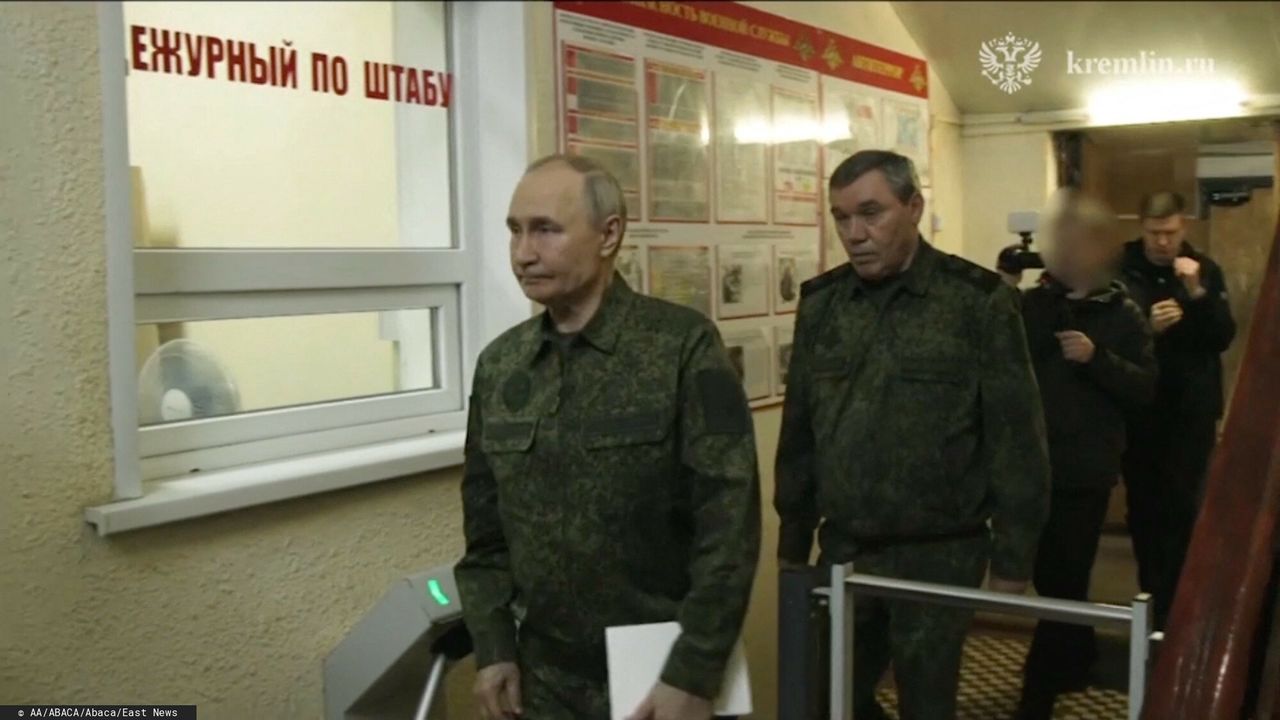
<point x="610" y="473"/>
<point x="911" y="420"/>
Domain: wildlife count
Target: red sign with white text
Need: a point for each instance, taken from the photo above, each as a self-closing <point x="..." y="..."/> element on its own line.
<point x="732" y="26"/>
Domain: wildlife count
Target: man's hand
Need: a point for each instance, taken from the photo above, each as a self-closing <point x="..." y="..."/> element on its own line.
<point x="1188" y="271"/>
<point x="497" y="691"/>
<point x="668" y="703"/>
<point x="1013" y="587"/>
<point x="1165" y="314"/>
<point x="1076" y="346"/>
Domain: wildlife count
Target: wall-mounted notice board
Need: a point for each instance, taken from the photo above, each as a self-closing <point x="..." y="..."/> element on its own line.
<point x="723" y="123"/>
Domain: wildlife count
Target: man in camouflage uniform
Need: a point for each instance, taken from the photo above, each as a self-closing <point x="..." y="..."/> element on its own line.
<point x="610" y="473"/>
<point x="911" y="420"/>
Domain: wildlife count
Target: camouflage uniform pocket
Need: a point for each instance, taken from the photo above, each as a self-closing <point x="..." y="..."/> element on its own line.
<point x="931" y="393"/>
<point x="930" y="370"/>
<point x="501" y="435"/>
<point x="647" y="426"/>
<point x="507" y="443"/>
<point x="931" y="404"/>
<point x="633" y="454"/>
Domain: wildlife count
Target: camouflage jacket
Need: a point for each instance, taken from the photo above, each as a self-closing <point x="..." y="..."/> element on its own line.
<point x="912" y="417"/>
<point x="609" y="481"/>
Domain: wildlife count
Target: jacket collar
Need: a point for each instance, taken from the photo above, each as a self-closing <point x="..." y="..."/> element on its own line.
<point x="915" y="279"/>
<point x="601" y="331"/>
<point x="1136" y="256"/>
<point x="604" y="327"/>
<point x="1113" y="292"/>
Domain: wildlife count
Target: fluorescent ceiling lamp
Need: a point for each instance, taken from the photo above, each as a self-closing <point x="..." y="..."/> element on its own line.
<point x="1155" y="100"/>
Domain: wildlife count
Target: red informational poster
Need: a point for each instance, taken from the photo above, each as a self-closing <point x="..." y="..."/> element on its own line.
<point x="601" y="115"/>
<point x="763" y="35"/>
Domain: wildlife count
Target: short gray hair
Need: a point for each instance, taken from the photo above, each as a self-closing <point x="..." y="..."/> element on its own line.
<point x="601" y="191"/>
<point x="897" y="169"/>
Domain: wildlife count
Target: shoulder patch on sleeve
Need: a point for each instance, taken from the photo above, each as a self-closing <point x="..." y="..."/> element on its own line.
<point x="724" y="403"/>
<point x="812" y="285"/>
<point x="972" y="273"/>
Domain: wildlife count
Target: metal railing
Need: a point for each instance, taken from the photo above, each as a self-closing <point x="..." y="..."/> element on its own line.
<point x="1136" y="617"/>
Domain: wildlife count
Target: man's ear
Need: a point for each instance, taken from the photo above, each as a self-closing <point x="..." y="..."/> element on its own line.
<point x="611" y="236"/>
<point x="915" y="206"/>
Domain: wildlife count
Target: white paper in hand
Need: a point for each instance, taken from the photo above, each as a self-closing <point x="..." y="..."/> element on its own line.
<point x="637" y="654"/>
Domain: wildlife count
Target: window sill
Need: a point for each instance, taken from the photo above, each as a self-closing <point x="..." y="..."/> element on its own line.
<point x="206" y="493"/>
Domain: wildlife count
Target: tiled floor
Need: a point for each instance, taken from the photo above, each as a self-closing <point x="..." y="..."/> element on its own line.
<point x="991" y="680"/>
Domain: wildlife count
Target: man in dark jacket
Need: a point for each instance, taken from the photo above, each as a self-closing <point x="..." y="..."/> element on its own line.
<point x="1092" y="353"/>
<point x="1183" y="293"/>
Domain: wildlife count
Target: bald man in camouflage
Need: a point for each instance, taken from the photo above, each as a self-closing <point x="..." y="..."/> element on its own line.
<point x="610" y="473"/>
<point x="911" y="420"/>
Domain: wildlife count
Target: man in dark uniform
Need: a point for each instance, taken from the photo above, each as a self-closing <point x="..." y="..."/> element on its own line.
<point x="1092" y="353"/>
<point x="911" y="420"/>
<point x="610" y="473"/>
<point x="1184" y="295"/>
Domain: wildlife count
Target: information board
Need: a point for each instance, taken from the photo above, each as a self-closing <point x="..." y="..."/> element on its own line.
<point x="723" y="124"/>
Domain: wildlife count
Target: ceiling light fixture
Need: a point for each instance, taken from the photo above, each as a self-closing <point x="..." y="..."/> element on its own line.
<point x="1165" y="100"/>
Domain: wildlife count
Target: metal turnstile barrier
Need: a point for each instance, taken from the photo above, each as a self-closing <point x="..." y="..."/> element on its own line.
<point x="412" y="632"/>
<point x="809" y="638"/>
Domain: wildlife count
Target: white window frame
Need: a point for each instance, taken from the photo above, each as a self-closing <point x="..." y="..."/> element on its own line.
<point x="288" y="452"/>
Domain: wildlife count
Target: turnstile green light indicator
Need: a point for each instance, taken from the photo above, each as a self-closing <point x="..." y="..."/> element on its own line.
<point x="433" y="586"/>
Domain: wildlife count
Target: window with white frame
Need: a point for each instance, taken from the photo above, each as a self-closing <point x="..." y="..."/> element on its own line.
<point x="298" y="285"/>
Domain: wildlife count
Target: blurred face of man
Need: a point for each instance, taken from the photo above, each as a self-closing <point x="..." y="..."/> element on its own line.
<point x="557" y="254"/>
<point x="1162" y="238"/>
<point x="878" y="231"/>
<point x="1080" y="256"/>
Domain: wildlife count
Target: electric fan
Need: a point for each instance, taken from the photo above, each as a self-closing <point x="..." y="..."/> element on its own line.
<point x="182" y="380"/>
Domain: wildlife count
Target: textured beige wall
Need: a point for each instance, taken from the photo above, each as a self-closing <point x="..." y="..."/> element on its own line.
<point x="234" y="613"/>
<point x="1002" y="174"/>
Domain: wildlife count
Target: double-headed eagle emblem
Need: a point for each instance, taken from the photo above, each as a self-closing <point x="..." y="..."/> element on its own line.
<point x="1008" y="61"/>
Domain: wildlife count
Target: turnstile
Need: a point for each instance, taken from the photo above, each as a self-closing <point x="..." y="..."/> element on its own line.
<point x="815" y="631"/>
<point x="391" y="664"/>
<point x="803" y="645"/>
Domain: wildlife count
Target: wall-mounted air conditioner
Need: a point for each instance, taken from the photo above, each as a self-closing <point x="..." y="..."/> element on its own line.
<point x="1229" y="179"/>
